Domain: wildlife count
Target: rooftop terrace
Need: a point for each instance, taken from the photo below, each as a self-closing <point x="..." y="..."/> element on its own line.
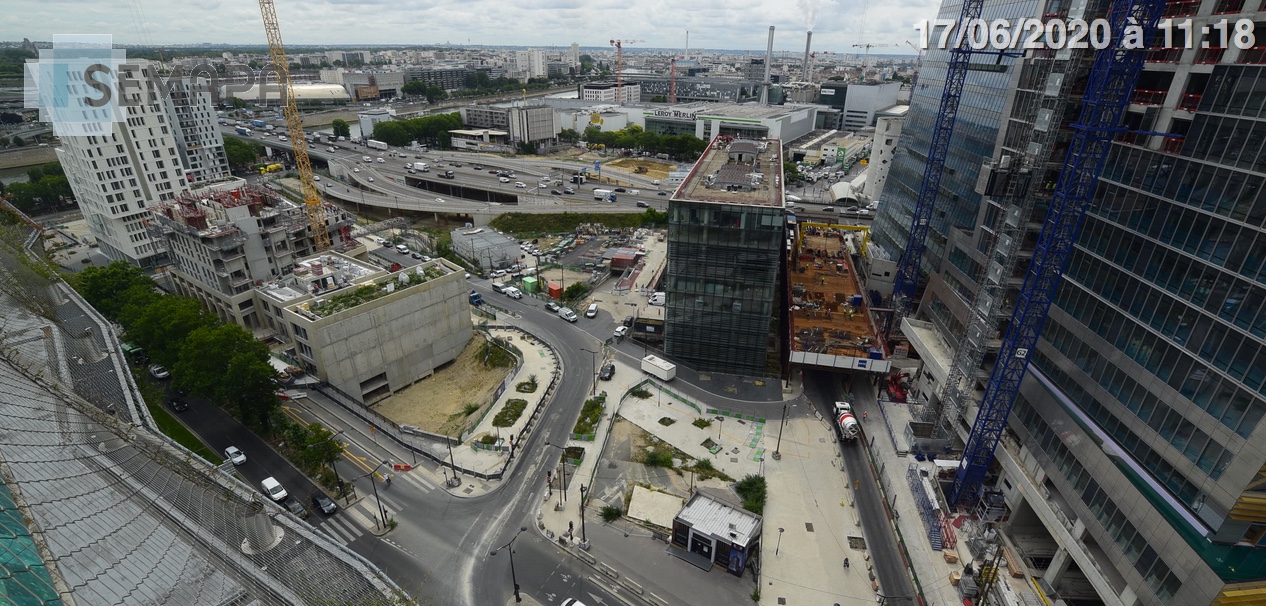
<point x="737" y="171"/>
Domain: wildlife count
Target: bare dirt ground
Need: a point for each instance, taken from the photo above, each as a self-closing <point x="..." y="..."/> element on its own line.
<point x="436" y="404"/>
<point x="654" y="168"/>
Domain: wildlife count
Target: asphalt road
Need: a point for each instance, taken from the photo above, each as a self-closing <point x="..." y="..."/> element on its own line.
<point x="822" y="388"/>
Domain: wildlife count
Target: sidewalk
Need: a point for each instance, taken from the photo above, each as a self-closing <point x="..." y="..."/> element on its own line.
<point x="931" y="570"/>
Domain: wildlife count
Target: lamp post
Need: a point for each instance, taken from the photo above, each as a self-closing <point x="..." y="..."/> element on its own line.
<point x="779" y="546"/>
<point x="584" y="540"/>
<point x="562" y="464"/>
<point x="513" y="578"/>
<point x="781" y="422"/>
<point x="381" y="512"/>
<point x="593" y="391"/>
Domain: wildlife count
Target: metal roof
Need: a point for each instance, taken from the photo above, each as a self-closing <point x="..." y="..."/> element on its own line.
<point x="708" y="515"/>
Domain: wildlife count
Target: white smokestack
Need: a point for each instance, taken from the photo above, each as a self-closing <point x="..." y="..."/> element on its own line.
<point x="808" y="43"/>
<point x="769" y="62"/>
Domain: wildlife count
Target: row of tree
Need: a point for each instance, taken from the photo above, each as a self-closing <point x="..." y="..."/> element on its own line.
<point x="635" y="138"/>
<point x="241" y="153"/>
<point x="221" y="362"/>
<point x="46" y="190"/>
<point x="431" y="131"/>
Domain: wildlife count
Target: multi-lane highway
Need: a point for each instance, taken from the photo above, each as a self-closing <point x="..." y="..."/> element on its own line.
<point x="388" y="184"/>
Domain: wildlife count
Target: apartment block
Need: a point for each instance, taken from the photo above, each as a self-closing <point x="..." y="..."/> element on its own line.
<point x="198" y="138"/>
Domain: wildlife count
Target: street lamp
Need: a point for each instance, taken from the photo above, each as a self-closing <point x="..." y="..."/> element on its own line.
<point x="513" y="578"/>
<point x="562" y="464"/>
<point x="594" y="359"/>
<point x="781" y="422"/>
<point x="584" y="540"/>
<point x="381" y="512"/>
<point x="779" y="546"/>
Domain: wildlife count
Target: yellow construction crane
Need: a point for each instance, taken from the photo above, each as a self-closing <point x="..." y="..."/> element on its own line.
<point x="294" y="125"/>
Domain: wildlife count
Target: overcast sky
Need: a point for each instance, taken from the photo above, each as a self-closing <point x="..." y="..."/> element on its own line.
<point x="714" y="24"/>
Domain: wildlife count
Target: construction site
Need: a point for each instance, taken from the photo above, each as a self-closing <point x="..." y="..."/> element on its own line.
<point x="831" y="326"/>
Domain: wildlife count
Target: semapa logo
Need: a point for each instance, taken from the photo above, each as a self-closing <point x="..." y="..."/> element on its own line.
<point x="71" y="85"/>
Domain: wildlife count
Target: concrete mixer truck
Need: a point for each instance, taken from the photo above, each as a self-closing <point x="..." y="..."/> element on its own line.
<point x="849" y="428"/>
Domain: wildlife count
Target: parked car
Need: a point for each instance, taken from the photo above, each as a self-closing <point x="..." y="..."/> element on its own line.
<point x="628" y="322"/>
<point x="592" y="312"/>
<point x="235" y="455"/>
<point x="324" y="504"/>
<point x="621" y="331"/>
<point x="294" y="506"/>
<point x="608" y="370"/>
<point x="568" y="314"/>
<point x="273" y="489"/>
<point x="177" y="403"/>
<point x="552" y="306"/>
<point x="498" y="287"/>
<point x="158" y="372"/>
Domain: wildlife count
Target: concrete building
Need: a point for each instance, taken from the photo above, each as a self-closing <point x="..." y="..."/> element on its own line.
<point x="1130" y="470"/>
<point x="368" y="332"/>
<point x="888" y="124"/>
<point x="225" y="240"/>
<point x="725" y="255"/>
<point x="368" y="118"/>
<point x="707" y="120"/>
<point x="198" y="138"/>
<point x="532" y="123"/>
<point x="629" y="91"/>
<point x="485" y="247"/>
<point x="859" y="102"/>
<point x="574" y="56"/>
<point x="374" y="85"/>
<point x="117" y="176"/>
<point x="447" y="78"/>
<point x="530" y="63"/>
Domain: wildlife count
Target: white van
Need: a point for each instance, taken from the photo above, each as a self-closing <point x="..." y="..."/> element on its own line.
<point x="402" y="249"/>
<point x="513" y="292"/>
<point x="658" y="298"/>
<point x="592" y="312"/>
<point x="567" y="314"/>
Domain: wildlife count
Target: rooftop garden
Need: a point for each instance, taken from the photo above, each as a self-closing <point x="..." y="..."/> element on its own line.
<point x="368" y="292"/>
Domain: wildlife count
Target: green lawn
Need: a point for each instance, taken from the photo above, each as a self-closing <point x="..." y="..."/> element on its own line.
<point x="169" y="425"/>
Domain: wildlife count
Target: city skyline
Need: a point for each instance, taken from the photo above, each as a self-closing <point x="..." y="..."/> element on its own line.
<point x="711" y="24"/>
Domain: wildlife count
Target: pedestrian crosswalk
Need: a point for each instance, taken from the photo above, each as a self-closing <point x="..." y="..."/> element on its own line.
<point x="351" y="523"/>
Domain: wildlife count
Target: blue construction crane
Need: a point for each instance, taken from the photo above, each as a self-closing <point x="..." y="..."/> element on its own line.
<point x="907" y="279"/>
<point x="1111" y="83"/>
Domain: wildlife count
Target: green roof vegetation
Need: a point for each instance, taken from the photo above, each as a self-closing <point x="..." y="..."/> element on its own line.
<point x="368" y="292"/>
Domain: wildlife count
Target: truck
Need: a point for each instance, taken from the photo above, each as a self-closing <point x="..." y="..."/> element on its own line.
<point x="448" y="174"/>
<point x="659" y="368"/>
<point x="603" y="194"/>
<point x="376" y="144"/>
<point x="259" y="123"/>
<point x="242" y="130"/>
<point x="844" y="419"/>
<point x="476" y="298"/>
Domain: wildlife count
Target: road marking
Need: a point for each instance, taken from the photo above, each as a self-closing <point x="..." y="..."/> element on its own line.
<point x="364" y="518"/>
<point x="417" y="480"/>
<point x="344" y="530"/>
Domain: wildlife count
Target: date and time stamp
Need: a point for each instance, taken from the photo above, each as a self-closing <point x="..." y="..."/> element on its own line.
<point x="1056" y="34"/>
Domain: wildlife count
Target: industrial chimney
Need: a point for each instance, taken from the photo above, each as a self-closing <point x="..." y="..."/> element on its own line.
<point x="808" y="43"/>
<point x="769" y="63"/>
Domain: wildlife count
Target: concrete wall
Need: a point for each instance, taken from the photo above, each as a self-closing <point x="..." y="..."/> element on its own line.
<point x="406" y="335"/>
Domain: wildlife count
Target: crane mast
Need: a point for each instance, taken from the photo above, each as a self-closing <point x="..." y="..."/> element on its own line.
<point x="294" y="126"/>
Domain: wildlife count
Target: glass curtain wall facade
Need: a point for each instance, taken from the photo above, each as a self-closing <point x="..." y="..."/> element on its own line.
<point x="985" y="94"/>
<point x="1157" y="347"/>
<point x="722" y="285"/>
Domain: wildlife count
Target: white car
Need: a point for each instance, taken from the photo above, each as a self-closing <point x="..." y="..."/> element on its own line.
<point x="158" y="372"/>
<point x="273" y="489"/>
<point x="236" y="456"/>
<point x="440" y="200"/>
<point x="355" y="170"/>
<point x="381" y="161"/>
<point x="621" y="331"/>
<point x="520" y="185"/>
<point x="504" y="179"/>
<point x="371" y="179"/>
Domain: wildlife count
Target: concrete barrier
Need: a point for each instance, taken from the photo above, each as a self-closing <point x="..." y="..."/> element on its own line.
<point x="607" y="570"/>
<point x="586" y="558"/>
<point x="631" y="586"/>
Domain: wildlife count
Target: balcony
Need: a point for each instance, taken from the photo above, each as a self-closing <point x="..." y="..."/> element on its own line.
<point x="1163" y="55"/>
<point x="1208" y="56"/>
<point x="1190" y="102"/>
<point x="1253" y="56"/>
<point x="1227" y="7"/>
<point x="1172" y="145"/>
<point x="1181" y="8"/>
<point x="1148" y="97"/>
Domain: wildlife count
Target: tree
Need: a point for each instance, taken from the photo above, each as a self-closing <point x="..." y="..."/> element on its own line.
<point x="576" y="291"/>
<point x="526" y="148"/>
<point x="241" y="153"/>
<point x="254" y="388"/>
<point x="414" y="87"/>
<point x="791" y="172"/>
<point x="10" y="118"/>
<point x="163" y="325"/>
<point x="101" y="286"/>
<point x="341" y="128"/>
<point x="4" y="141"/>
<point x="392" y="132"/>
<point x="17" y="141"/>
<point x="34" y="174"/>
<point x="53" y="168"/>
<point x="569" y="135"/>
<point x="237" y="103"/>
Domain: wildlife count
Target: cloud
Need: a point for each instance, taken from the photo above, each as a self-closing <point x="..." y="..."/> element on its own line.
<point x="713" y="24"/>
